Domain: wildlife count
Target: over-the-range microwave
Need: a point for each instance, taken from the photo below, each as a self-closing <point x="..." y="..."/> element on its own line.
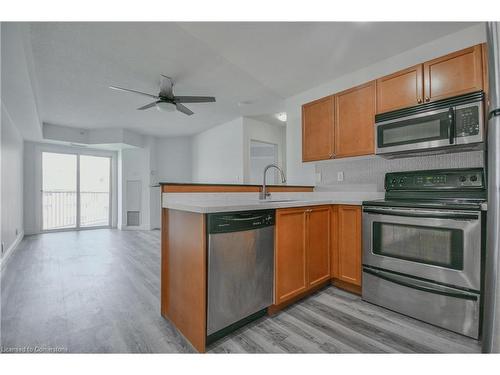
<point x="447" y="125"/>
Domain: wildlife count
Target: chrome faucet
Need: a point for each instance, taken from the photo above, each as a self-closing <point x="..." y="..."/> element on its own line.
<point x="263" y="193"/>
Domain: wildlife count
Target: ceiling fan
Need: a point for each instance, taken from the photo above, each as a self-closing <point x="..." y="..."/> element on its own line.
<point x="166" y="100"/>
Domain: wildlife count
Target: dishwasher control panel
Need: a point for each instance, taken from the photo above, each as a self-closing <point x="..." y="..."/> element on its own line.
<point x="224" y="222"/>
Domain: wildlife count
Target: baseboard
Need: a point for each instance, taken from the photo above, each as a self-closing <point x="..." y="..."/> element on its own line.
<point x="356" y="289"/>
<point x="12" y="248"/>
<point x="140" y="227"/>
<point x="273" y="309"/>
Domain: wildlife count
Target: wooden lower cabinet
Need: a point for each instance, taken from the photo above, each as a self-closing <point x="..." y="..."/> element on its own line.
<point x="290" y="254"/>
<point x="302" y="251"/>
<point x="314" y="245"/>
<point x="346" y="250"/>
<point x="318" y="245"/>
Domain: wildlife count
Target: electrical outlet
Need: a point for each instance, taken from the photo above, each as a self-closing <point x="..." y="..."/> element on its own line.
<point x="340" y="176"/>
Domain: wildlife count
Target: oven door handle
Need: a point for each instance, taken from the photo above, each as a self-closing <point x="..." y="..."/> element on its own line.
<point x="426" y="214"/>
<point x="421" y="285"/>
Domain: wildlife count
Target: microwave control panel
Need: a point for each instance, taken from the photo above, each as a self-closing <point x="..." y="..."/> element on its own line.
<point x="467" y="121"/>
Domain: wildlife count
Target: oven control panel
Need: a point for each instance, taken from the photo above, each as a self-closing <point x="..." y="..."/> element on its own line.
<point x="436" y="180"/>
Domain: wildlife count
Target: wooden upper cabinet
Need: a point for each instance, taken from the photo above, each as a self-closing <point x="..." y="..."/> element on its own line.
<point x="349" y="244"/>
<point x="290" y="254"/>
<point x="457" y="73"/>
<point x="318" y="245"/>
<point x="317" y="129"/>
<point x="342" y="125"/>
<point x="400" y="90"/>
<point x="486" y="86"/>
<point x="354" y="121"/>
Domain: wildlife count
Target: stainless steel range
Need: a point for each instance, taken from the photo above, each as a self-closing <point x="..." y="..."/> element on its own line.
<point x="423" y="244"/>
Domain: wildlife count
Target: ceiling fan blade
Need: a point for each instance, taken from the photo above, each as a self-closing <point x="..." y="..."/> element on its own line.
<point x="183" y="109"/>
<point x="133" y="91"/>
<point x="166" y="86"/>
<point x="194" y="99"/>
<point x="148" y="106"/>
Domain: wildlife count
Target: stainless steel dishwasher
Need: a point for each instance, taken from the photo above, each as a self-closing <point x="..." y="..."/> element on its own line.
<point x="240" y="269"/>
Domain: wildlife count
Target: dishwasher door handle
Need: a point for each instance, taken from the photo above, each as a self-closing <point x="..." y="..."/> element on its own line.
<point x="243" y="219"/>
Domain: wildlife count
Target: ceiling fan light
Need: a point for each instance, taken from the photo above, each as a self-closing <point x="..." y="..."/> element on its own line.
<point x="165" y="107"/>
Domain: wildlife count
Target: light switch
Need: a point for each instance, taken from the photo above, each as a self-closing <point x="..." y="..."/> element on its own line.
<point x="340" y="176"/>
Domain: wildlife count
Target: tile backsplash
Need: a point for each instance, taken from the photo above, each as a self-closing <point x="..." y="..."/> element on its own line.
<point x="367" y="173"/>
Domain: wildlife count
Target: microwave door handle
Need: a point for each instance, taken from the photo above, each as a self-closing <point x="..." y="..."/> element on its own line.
<point x="429" y="215"/>
<point x="404" y="281"/>
<point x="451" y="118"/>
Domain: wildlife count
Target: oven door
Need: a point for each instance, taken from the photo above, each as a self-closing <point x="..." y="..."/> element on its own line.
<point x="417" y="132"/>
<point x="437" y="245"/>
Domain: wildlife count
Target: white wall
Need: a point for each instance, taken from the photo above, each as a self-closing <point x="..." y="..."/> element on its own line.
<point x="299" y="172"/>
<point x="174" y="159"/>
<point x="18" y="93"/>
<point x="171" y="162"/>
<point x="218" y="154"/>
<point x="264" y="132"/>
<point x="136" y="166"/>
<point x="31" y="189"/>
<point x="12" y="184"/>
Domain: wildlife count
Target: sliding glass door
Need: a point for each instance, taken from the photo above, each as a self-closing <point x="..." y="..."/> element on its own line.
<point x="76" y="191"/>
<point x="94" y="191"/>
<point x="59" y="190"/>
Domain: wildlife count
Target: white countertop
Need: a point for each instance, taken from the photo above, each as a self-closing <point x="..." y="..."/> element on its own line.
<point x="226" y="202"/>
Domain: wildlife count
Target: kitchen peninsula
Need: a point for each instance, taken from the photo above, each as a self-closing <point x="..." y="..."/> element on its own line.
<point x="317" y="241"/>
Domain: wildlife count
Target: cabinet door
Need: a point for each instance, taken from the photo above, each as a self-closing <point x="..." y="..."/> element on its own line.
<point x="486" y="86"/>
<point x="290" y="254"/>
<point x="400" y="90"/>
<point x="318" y="245"/>
<point x="317" y="129"/>
<point x="354" y="121"/>
<point x="334" y="241"/>
<point x="454" y="74"/>
<point x="349" y="244"/>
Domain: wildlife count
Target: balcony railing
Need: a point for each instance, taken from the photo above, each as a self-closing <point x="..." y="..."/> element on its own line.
<point x="59" y="209"/>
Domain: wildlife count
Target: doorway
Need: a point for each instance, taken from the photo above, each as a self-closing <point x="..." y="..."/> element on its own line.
<point x="261" y="155"/>
<point x="76" y="191"/>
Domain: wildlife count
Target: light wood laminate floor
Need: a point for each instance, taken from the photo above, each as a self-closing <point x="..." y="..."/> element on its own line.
<point x="98" y="291"/>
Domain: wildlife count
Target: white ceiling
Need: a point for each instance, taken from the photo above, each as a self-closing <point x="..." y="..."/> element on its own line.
<point x="257" y="63"/>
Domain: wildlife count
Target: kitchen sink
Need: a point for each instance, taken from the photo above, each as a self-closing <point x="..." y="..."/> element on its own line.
<point x="277" y="200"/>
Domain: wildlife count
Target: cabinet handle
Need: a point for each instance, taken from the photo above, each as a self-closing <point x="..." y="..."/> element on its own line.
<point x="427" y="99"/>
<point x="419" y="100"/>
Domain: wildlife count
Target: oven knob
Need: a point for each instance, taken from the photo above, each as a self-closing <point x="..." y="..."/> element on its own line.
<point x="462" y="178"/>
<point x="473" y="178"/>
<point x="401" y="181"/>
<point x="394" y="181"/>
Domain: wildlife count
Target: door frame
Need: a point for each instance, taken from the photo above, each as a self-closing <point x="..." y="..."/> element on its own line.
<point x="279" y="160"/>
<point x="62" y="149"/>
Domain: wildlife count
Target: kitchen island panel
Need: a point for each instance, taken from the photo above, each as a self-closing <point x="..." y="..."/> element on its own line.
<point x="183" y="283"/>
